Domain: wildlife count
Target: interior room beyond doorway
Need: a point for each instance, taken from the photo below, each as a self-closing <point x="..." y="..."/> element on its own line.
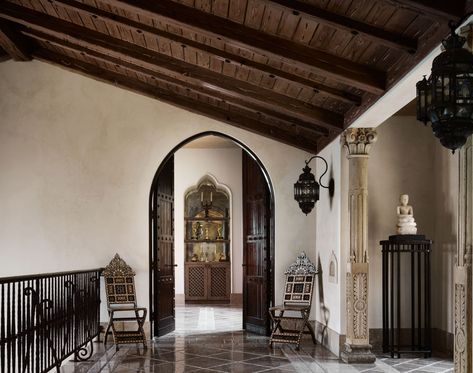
<point x="208" y="235"/>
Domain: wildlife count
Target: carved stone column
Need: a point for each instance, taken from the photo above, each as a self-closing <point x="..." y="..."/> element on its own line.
<point x="358" y="142"/>
<point x="462" y="273"/>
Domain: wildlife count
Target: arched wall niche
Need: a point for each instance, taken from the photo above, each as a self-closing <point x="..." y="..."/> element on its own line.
<point x="211" y="180"/>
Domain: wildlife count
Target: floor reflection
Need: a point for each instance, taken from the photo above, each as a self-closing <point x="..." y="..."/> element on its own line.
<point x="210" y="339"/>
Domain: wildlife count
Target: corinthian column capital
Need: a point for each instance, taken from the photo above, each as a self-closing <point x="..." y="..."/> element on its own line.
<point x="358" y="141"/>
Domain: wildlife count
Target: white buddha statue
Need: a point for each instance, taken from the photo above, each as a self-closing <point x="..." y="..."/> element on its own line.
<point x="405" y="217"/>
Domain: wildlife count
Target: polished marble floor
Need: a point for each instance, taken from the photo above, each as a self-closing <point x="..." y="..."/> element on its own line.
<point x="210" y="339"/>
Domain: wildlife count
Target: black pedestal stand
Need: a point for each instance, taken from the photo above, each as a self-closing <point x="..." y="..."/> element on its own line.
<point x="406" y="295"/>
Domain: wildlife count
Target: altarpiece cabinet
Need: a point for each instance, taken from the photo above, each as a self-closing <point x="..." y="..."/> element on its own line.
<point x="207" y="264"/>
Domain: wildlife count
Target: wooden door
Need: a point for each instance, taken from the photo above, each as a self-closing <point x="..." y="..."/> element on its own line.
<point x="256" y="250"/>
<point x="163" y="256"/>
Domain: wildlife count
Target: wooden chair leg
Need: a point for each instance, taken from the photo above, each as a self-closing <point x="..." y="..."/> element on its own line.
<point x="276" y="325"/>
<point x="110" y="321"/>
<point x="305" y="322"/>
<point x="141" y="321"/>
<point x="312" y="333"/>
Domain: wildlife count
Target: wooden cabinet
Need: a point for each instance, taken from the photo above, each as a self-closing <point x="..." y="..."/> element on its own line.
<point x="207" y="281"/>
<point x="207" y="244"/>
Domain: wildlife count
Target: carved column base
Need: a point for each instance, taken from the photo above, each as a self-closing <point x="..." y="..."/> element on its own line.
<point x="357" y="347"/>
<point x="357" y="354"/>
<point x="462" y="327"/>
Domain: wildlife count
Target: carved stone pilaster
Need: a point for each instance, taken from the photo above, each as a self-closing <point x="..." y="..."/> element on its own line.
<point x="358" y="142"/>
<point x="462" y="273"/>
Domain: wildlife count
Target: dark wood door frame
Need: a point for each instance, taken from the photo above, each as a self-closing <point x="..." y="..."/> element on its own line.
<point x="152" y="219"/>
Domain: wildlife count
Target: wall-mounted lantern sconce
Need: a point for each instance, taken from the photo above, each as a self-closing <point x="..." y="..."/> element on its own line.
<point x="306" y="189"/>
<point x="446" y="98"/>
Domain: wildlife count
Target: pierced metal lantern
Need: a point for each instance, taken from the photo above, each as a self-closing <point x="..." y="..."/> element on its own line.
<point x="424" y="98"/>
<point x="306" y="189"/>
<point x="446" y="98"/>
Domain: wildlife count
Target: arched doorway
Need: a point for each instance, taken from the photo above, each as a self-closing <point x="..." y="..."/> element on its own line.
<point x="258" y="242"/>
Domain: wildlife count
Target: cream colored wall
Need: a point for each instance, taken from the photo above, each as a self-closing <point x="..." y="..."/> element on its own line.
<point x="328" y="212"/>
<point x="329" y="238"/>
<point x="190" y="165"/>
<point x="77" y="158"/>
<point x="446" y="182"/>
<point x="407" y="158"/>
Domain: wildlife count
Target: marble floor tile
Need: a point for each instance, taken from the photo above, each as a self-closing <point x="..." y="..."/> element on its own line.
<point x="210" y="339"/>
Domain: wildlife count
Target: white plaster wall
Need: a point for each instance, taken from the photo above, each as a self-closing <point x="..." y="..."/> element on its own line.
<point x="446" y="182"/>
<point x="328" y="228"/>
<point x="77" y="158"/>
<point x="190" y="165"/>
<point x="329" y="297"/>
<point x="407" y="158"/>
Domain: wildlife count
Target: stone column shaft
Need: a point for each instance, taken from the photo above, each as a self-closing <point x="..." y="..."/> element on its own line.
<point x="358" y="204"/>
<point x="462" y="272"/>
<point x="357" y="349"/>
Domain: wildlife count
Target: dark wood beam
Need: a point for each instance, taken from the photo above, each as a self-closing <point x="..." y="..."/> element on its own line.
<point x="319" y="130"/>
<point x="143" y="57"/>
<point x="236" y="119"/>
<point x="4" y="56"/>
<point x="343" y="70"/>
<point x="13" y="43"/>
<point x="224" y="56"/>
<point x="448" y="10"/>
<point x="373" y="33"/>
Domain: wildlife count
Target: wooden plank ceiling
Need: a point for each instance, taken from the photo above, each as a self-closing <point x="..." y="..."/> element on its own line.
<point x="297" y="71"/>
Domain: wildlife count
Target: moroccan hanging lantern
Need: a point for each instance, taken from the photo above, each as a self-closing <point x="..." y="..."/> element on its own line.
<point x="307" y="189"/>
<point x="446" y="98"/>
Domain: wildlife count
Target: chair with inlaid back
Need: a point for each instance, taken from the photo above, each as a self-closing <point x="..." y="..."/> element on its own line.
<point x="300" y="279"/>
<point x="121" y="298"/>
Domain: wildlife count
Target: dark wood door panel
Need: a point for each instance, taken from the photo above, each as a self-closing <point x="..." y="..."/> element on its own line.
<point x="163" y="266"/>
<point x="255" y="259"/>
<point x="256" y="253"/>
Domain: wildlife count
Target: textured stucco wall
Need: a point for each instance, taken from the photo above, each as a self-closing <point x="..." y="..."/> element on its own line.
<point x="77" y="159"/>
<point x="408" y="159"/>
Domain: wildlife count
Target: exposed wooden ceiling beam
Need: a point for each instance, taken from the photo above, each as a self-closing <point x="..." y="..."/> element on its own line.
<point x="225" y="56"/>
<point x="236" y="119"/>
<point x="143" y="57"/>
<point x="4" y="56"/>
<point x="343" y="70"/>
<point x="373" y="33"/>
<point x="311" y="127"/>
<point x="447" y="10"/>
<point x="13" y="43"/>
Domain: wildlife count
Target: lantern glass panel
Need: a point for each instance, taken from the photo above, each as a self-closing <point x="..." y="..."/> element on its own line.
<point x="438" y="89"/>
<point x="446" y="89"/>
<point x="446" y="113"/>
<point x="462" y="112"/>
<point x="423" y="97"/>
<point x="464" y="89"/>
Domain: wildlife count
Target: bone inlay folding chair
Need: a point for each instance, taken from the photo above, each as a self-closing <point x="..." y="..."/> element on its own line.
<point x="121" y="298"/>
<point x="300" y="279"/>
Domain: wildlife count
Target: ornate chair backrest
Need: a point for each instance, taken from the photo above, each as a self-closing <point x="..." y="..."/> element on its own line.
<point x="300" y="279"/>
<point x="119" y="282"/>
